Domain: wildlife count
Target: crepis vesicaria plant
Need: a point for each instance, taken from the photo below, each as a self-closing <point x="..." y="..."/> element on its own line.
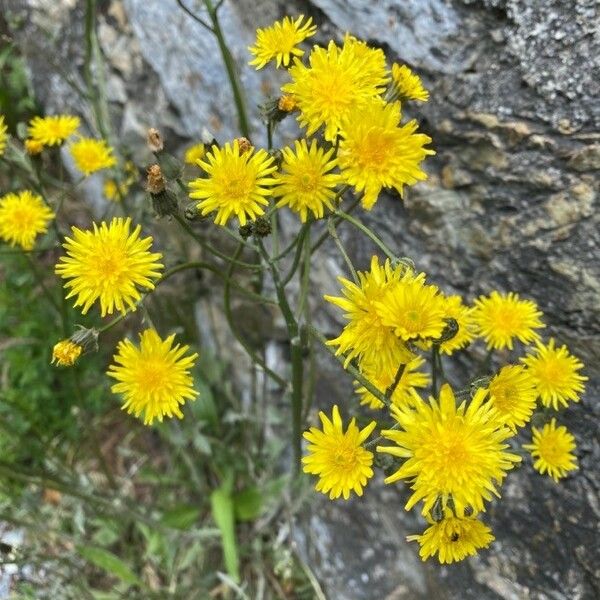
<point x="453" y="448"/>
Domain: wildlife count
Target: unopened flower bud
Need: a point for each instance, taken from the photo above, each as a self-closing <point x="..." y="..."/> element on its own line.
<point x="33" y="147"/>
<point x="155" y="141"/>
<point x="262" y="227"/>
<point x="66" y="352"/>
<point x="245" y="145"/>
<point x="245" y="231"/>
<point x="191" y="212"/>
<point x="287" y="103"/>
<point x="156" y="182"/>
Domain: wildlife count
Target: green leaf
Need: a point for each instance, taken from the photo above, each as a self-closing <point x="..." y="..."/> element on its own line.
<point x="110" y="563"/>
<point x="248" y="504"/>
<point x="181" y="517"/>
<point x="223" y="514"/>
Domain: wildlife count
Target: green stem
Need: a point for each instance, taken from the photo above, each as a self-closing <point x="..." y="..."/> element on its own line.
<point x="301" y="235"/>
<point x="230" y="67"/>
<point x="340" y="246"/>
<point x="435" y="353"/>
<point x="392" y="388"/>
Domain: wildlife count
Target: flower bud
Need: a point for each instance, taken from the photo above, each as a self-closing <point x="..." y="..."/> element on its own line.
<point x="245" y="145"/>
<point x="287" y="103"/>
<point x="66" y="352"/>
<point x="262" y="227"/>
<point x="155" y="141"/>
<point x="156" y="182"/>
<point x="33" y="147"/>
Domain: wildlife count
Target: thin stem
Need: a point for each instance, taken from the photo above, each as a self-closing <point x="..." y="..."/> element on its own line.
<point x="392" y="387"/>
<point x="301" y="235"/>
<point x="195" y="16"/>
<point x="435" y="353"/>
<point x="340" y="246"/>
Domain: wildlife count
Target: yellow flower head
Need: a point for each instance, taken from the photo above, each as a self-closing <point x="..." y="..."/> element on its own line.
<point x="92" y="155"/>
<point x="411" y="308"/>
<point x="338" y="458"/>
<point x="377" y="152"/>
<point x="23" y="216"/>
<point x="33" y="147"/>
<point x="552" y="448"/>
<point x="450" y="451"/>
<point x="237" y="183"/>
<point x="365" y="336"/>
<point x="406" y="85"/>
<point x="194" y="153"/>
<point x="279" y="42"/>
<point x="453" y="538"/>
<point x="513" y="394"/>
<point x="555" y="373"/>
<point x="108" y="264"/>
<point x="65" y="353"/>
<point x="3" y="135"/>
<point x="113" y="190"/>
<point x="502" y="318"/>
<point x="154" y="377"/>
<point x="53" y="130"/>
<point x="305" y="182"/>
<point x="336" y="80"/>
<point x="405" y="391"/>
<point x="287" y="103"/>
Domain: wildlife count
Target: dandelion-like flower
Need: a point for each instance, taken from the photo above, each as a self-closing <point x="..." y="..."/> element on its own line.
<point x="65" y="353"/>
<point x="413" y="309"/>
<point x="279" y="42"/>
<point x="237" y="183"/>
<point x="453" y="538"/>
<point x="52" y="130"/>
<point x="407" y="85"/>
<point x="552" y="449"/>
<point x="194" y="153"/>
<point x="376" y="152"/>
<point x="513" y="394"/>
<point x="114" y="190"/>
<point x="3" y="135"/>
<point x="503" y="318"/>
<point x="449" y="451"/>
<point x="305" y="182"/>
<point x="23" y="216"/>
<point x="92" y="155"/>
<point x="33" y="147"/>
<point x="338" y="457"/>
<point x="336" y="80"/>
<point x="108" y="264"/>
<point x="405" y="391"/>
<point x="154" y="377"/>
<point x="555" y="373"/>
<point x="365" y="336"/>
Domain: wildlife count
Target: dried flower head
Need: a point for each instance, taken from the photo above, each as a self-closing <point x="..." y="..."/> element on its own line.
<point x="154" y="140"/>
<point x="156" y="182"/>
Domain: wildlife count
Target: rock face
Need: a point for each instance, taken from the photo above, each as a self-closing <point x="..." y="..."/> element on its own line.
<point x="511" y="203"/>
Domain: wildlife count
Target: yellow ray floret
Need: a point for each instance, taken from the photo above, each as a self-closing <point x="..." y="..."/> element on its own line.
<point x="513" y="393"/>
<point x="552" y="449"/>
<point x="23" y="216"/>
<point x="3" y="135"/>
<point x="555" y="373"/>
<point x="65" y="353"/>
<point x="335" y="81"/>
<point x="337" y="457"/>
<point x="406" y="85"/>
<point x="108" y="264"/>
<point x="52" y="130"/>
<point x="453" y="538"/>
<point x="194" y="153"/>
<point x="305" y="182"/>
<point x="237" y="183"/>
<point x="92" y="155"/>
<point x="503" y="318"/>
<point x="449" y="451"/>
<point x="377" y="152"/>
<point x="365" y="336"/>
<point x="154" y="377"/>
<point x="279" y="42"/>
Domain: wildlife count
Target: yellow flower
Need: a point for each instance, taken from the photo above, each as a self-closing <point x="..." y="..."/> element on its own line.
<point x="53" y="130"/>
<point x="287" y="103"/>
<point x="453" y="538"/>
<point x="336" y="80"/>
<point x="3" y="135"/>
<point x="65" y="353"/>
<point x="23" y="216"/>
<point x="305" y="182"/>
<point x="92" y="155"/>
<point x="237" y="183"/>
<point x="376" y="152"/>
<point x="153" y="377"/>
<point x="33" y="147"/>
<point x="406" y="85"/>
<point x="194" y="153"/>
<point x="404" y="393"/>
<point x="279" y="41"/>
<point x="555" y="373"/>
<point x="513" y="394"/>
<point x="365" y="336"/>
<point x="449" y="451"/>
<point x="411" y="308"/>
<point x="108" y="264"/>
<point x="113" y="190"/>
<point x="552" y="449"/>
<point x="502" y="318"/>
<point x="337" y="457"/>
